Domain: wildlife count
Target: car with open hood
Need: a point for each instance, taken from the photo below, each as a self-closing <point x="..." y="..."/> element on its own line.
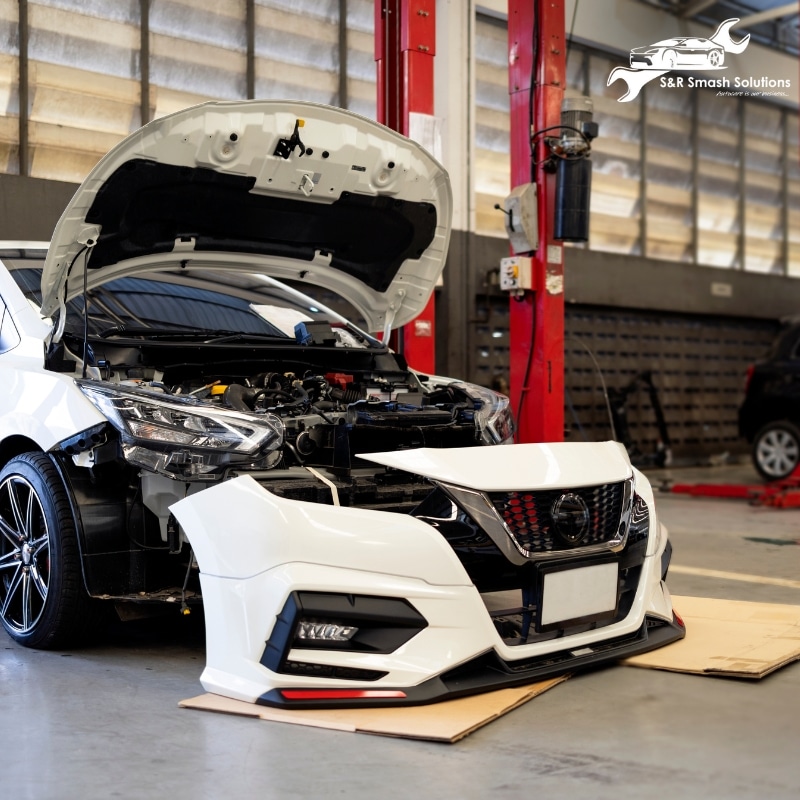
<point x="185" y="421"/>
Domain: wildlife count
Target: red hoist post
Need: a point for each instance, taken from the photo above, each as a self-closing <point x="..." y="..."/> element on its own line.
<point x="405" y="39"/>
<point x="537" y="76"/>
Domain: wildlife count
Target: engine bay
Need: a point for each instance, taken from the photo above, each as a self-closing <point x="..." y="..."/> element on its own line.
<point x="332" y="402"/>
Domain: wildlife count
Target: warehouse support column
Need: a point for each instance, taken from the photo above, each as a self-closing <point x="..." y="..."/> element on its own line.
<point x="405" y="38"/>
<point x="537" y="74"/>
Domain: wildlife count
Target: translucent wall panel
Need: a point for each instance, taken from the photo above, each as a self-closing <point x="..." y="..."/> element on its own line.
<point x="9" y="86"/>
<point x="84" y="82"/>
<point x="793" y="193"/>
<point x="492" y="162"/>
<point x="197" y="53"/>
<point x="718" y="220"/>
<point x="297" y="50"/>
<point x="361" y="71"/>
<point x="668" y="153"/>
<point x="614" y="224"/>
<point x="763" y="188"/>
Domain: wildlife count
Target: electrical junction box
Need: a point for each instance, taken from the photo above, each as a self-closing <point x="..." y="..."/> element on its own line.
<point x="516" y="274"/>
<point x="522" y="222"/>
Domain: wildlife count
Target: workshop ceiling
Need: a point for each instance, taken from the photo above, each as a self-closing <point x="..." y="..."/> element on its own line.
<point x="773" y="23"/>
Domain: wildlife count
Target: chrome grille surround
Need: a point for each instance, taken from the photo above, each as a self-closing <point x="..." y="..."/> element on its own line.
<point x="521" y="523"/>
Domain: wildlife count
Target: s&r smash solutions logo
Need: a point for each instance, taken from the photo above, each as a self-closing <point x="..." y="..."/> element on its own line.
<point x="691" y="53"/>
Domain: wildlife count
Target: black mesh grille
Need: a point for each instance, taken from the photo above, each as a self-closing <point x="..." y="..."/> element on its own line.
<point x="529" y="516"/>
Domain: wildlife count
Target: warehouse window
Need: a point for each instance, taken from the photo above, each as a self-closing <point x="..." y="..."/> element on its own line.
<point x="792" y="195"/>
<point x="492" y="162"/>
<point x="197" y="53"/>
<point x="84" y="82"/>
<point x="297" y="50"/>
<point x="9" y="86"/>
<point x="763" y="188"/>
<point x="615" y="221"/>
<point x="86" y="75"/>
<point x="669" y="210"/>
<point x="361" y="77"/>
<point x="718" y="168"/>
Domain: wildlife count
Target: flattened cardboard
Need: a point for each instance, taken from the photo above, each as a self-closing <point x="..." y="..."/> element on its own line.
<point x="729" y="638"/>
<point x="447" y="721"/>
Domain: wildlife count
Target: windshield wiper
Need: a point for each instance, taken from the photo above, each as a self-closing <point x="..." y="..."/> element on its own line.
<point x="230" y="336"/>
<point x="208" y="336"/>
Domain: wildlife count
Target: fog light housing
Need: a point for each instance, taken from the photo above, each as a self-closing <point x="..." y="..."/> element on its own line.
<point x="326" y="621"/>
<point x="323" y="632"/>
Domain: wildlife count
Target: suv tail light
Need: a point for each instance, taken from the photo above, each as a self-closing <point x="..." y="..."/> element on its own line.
<point x="748" y="376"/>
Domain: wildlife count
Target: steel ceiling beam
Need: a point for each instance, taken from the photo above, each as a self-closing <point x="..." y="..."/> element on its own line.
<point x="786" y="10"/>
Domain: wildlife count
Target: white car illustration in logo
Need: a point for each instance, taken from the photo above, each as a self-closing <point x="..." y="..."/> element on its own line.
<point x="678" y="53"/>
<point x="682" y="52"/>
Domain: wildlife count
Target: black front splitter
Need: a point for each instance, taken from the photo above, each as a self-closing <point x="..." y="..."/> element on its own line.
<point x="484" y="674"/>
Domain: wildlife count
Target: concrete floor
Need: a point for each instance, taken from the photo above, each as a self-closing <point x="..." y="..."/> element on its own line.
<point x="104" y="722"/>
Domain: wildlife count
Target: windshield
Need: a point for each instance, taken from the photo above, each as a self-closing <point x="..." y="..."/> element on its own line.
<point x="184" y="304"/>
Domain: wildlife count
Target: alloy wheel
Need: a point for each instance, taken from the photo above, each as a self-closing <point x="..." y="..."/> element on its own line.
<point x="24" y="555"/>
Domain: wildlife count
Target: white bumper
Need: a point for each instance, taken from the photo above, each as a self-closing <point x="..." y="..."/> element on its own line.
<point x="255" y="550"/>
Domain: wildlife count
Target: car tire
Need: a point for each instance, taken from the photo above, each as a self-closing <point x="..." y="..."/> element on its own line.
<point x="776" y="450"/>
<point x="43" y="601"/>
<point x="670" y="59"/>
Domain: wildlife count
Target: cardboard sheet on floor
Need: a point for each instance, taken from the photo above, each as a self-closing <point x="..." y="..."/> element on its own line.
<point x="729" y="638"/>
<point x="447" y="721"/>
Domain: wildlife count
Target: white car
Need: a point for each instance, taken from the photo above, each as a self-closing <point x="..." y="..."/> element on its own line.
<point x="209" y="432"/>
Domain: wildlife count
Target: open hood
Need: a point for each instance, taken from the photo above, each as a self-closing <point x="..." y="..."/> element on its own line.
<point x="295" y="190"/>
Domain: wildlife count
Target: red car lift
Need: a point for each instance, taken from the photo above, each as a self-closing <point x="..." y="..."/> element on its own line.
<point x="780" y="494"/>
<point x="537" y="76"/>
<point x="405" y="45"/>
<point x="404" y="51"/>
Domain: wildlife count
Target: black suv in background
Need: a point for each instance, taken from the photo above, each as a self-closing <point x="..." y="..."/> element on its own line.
<point x="769" y="418"/>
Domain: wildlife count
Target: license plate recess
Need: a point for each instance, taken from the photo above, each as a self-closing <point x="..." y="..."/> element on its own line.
<point x="577" y="593"/>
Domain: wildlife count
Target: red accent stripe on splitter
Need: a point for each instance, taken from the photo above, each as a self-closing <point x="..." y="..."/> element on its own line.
<point x="340" y="694"/>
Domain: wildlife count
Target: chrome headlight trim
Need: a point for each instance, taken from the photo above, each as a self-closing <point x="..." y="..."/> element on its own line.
<point x="493" y="417"/>
<point x="165" y="422"/>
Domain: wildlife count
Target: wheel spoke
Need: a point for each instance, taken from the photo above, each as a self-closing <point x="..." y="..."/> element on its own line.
<point x="26" y="600"/>
<point x="38" y="582"/>
<point x="37" y="545"/>
<point x="29" y="516"/>
<point x="12" y="588"/>
<point x="15" y="509"/>
<point x="9" y="532"/>
<point x="10" y="560"/>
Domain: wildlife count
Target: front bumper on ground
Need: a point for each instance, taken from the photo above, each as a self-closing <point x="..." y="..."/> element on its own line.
<point x="276" y="562"/>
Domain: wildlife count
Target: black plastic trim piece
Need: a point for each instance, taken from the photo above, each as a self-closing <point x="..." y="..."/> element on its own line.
<point x="666" y="557"/>
<point x="384" y="624"/>
<point x="488" y="672"/>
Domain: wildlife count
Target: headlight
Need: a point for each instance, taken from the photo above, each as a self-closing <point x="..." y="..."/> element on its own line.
<point x="493" y="417"/>
<point x="179" y="435"/>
